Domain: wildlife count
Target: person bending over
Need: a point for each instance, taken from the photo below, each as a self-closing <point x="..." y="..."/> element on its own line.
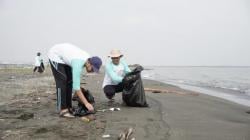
<point x="67" y="62"/>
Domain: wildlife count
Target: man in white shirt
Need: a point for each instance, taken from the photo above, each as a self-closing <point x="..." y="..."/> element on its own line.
<point x="38" y="61"/>
<point x="67" y="62"/>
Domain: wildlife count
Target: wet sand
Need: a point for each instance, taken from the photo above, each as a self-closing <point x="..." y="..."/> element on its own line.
<point x="28" y="111"/>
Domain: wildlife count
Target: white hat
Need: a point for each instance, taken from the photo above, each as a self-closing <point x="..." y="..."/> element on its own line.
<point x="115" y="53"/>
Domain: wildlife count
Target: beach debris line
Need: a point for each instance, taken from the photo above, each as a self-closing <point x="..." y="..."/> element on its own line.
<point x="23" y="116"/>
<point x="155" y="90"/>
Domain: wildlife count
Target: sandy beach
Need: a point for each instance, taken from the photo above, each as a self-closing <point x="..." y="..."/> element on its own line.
<point x="28" y="111"/>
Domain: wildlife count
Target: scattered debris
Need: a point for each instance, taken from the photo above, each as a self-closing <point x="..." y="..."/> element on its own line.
<point x="154" y="90"/>
<point x="106" y="136"/>
<point x="41" y="130"/>
<point x="114" y="109"/>
<point x="88" y="118"/>
<point x="110" y="109"/>
<point x="126" y="135"/>
<point x="99" y="125"/>
<point x="85" y="119"/>
<point x="26" y="116"/>
<point x="9" y="133"/>
<point x="12" y="77"/>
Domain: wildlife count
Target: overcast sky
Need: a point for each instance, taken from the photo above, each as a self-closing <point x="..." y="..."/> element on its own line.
<point x="148" y="32"/>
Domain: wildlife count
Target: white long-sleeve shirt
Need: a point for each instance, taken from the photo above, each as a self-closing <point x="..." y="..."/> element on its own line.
<point x="38" y="61"/>
<point x="64" y="53"/>
<point x="72" y="56"/>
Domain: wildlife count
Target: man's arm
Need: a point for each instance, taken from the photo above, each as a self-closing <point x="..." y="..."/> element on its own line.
<point x="84" y="100"/>
<point x="77" y="66"/>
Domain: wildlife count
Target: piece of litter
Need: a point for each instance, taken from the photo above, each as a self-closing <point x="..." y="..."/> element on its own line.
<point x="85" y="119"/>
<point x="118" y="109"/>
<point x="110" y="109"/>
<point x="114" y="109"/>
<point x="106" y="136"/>
<point x="101" y="110"/>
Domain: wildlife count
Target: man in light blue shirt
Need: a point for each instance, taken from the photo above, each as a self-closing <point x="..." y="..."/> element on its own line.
<point x="115" y="70"/>
<point x="67" y="62"/>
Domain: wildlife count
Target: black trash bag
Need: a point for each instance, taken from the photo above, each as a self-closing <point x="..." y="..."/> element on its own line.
<point x="81" y="109"/>
<point x="133" y="93"/>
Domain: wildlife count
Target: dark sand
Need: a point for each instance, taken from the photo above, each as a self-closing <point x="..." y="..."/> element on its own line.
<point x="28" y="111"/>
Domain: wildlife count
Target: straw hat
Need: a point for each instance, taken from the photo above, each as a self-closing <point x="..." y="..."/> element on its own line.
<point x="115" y="53"/>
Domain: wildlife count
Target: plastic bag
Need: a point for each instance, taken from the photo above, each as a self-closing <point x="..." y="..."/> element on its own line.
<point x="133" y="93"/>
<point x="81" y="109"/>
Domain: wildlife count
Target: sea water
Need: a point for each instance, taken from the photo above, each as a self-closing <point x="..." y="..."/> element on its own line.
<point x="230" y="83"/>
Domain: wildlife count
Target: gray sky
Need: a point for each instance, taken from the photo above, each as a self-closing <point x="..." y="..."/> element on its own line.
<point x="148" y="32"/>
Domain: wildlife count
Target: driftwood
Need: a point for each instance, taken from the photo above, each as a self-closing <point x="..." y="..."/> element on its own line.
<point x="154" y="90"/>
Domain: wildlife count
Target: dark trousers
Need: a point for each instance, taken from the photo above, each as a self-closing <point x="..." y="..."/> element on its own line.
<point x="40" y="69"/>
<point x="36" y="68"/>
<point x="110" y="90"/>
<point x="63" y="77"/>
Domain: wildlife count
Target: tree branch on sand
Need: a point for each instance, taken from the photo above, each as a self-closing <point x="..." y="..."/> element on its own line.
<point x="154" y="90"/>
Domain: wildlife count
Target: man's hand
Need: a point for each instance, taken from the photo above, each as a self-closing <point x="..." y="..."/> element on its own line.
<point x="84" y="100"/>
<point x="89" y="107"/>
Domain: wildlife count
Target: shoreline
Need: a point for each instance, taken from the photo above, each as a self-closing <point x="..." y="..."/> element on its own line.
<point x="214" y="92"/>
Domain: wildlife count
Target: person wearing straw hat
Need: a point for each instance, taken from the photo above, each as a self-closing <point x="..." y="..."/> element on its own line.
<point x="115" y="70"/>
<point x="67" y="62"/>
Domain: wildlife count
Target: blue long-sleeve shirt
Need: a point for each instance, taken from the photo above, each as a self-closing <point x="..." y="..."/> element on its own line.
<point x="115" y="73"/>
